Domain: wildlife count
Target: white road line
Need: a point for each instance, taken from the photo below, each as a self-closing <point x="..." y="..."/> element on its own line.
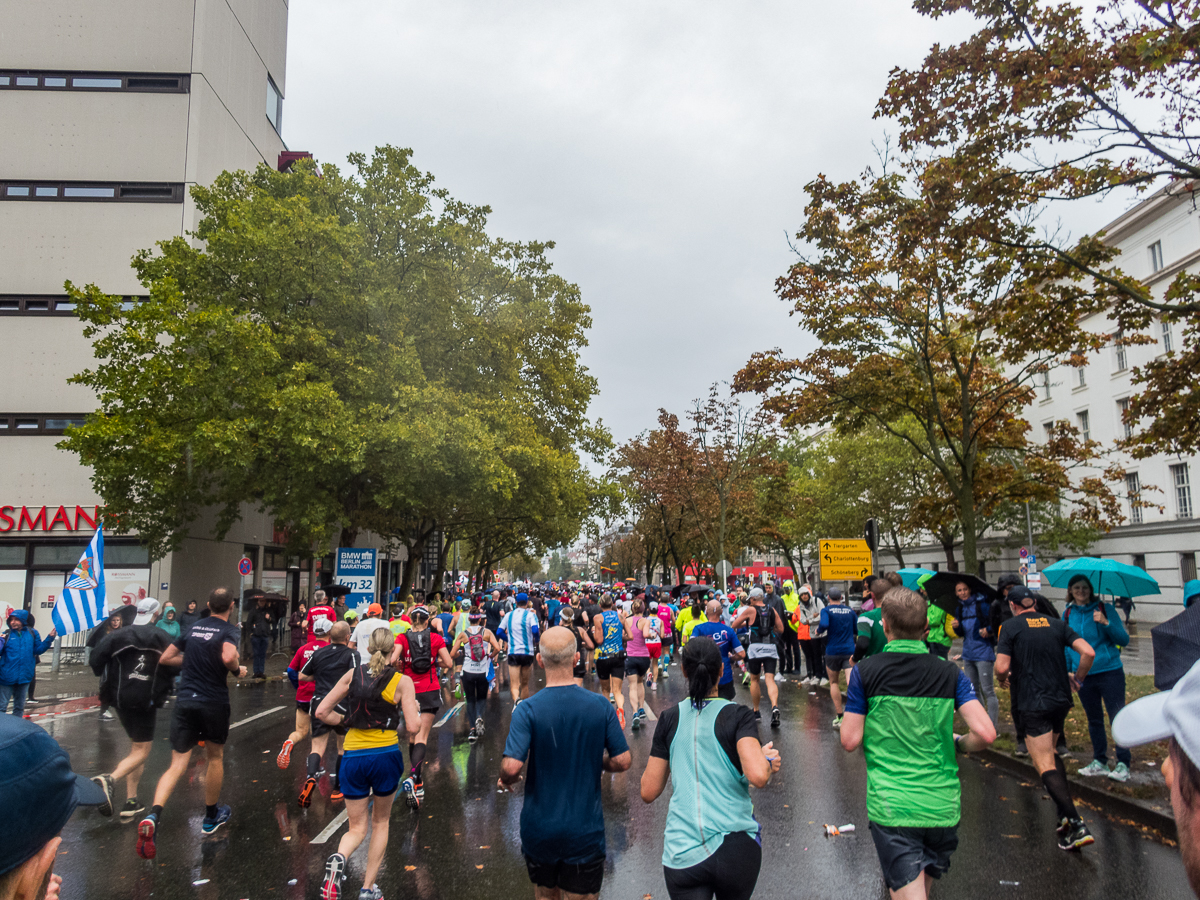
<point x="455" y="708"/>
<point x="650" y="714"/>
<point x="327" y="832"/>
<point x="265" y="712"/>
<point x="58" y="717"/>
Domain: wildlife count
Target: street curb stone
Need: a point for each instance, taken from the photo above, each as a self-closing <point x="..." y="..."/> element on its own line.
<point x="1114" y="804"/>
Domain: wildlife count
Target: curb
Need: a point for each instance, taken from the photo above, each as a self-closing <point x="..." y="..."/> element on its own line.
<point x="1113" y="805"/>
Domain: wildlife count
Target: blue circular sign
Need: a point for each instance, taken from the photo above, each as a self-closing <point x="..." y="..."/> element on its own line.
<point x="245" y="566"/>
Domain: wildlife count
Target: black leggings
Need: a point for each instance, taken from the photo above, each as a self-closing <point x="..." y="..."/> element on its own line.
<point x="730" y="874"/>
<point x="813" y="666"/>
<point x="789" y="651"/>
<point x="475" y="689"/>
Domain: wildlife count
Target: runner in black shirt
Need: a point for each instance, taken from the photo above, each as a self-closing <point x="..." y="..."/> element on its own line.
<point x="326" y="668"/>
<point x="494" y="610"/>
<point x="1031" y="645"/>
<point x="208" y="653"/>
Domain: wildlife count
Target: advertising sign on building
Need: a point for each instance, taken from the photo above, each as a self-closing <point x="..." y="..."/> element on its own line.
<point x="355" y="568"/>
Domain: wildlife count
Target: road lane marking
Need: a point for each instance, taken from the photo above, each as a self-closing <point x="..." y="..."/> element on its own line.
<point x="327" y="832"/>
<point x="58" y="717"/>
<point x="265" y="712"/>
<point x="455" y="708"/>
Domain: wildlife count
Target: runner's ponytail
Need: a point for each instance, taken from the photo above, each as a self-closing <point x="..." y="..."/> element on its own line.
<point x="380" y="647"/>
<point x="702" y="667"/>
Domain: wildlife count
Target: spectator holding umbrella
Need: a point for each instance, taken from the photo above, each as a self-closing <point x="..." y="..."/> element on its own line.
<point x="1099" y="624"/>
<point x="297" y="623"/>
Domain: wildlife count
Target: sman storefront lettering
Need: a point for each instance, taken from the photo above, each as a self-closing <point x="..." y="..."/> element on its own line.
<point x="47" y="518"/>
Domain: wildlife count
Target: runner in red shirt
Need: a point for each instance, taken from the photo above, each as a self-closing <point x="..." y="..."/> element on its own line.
<point x="320" y="610"/>
<point x="304" y="691"/>
<point x="419" y="653"/>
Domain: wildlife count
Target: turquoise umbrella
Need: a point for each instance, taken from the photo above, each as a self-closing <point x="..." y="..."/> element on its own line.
<point x="912" y="577"/>
<point x="1106" y="575"/>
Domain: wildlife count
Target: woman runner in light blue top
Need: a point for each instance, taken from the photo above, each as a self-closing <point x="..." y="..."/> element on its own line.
<point x="709" y="747"/>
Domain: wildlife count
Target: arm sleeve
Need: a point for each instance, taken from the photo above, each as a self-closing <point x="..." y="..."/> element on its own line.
<point x="856" y="697"/>
<point x="1070" y="635"/>
<point x="520" y="734"/>
<point x="307" y="664"/>
<point x="964" y="692"/>
<point x="823" y="622"/>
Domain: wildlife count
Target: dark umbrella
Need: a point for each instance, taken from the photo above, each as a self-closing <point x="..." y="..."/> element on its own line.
<point x="940" y="589"/>
<point x="336" y="590"/>
<point x="1176" y="647"/>
<point x="678" y="589"/>
<point x="271" y="597"/>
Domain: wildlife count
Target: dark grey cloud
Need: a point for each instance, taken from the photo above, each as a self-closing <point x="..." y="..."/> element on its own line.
<point x="663" y="146"/>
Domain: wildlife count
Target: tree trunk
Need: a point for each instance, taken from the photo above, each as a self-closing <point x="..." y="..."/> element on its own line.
<point x="439" y="577"/>
<point x="969" y="535"/>
<point x="897" y="550"/>
<point x="948" y="547"/>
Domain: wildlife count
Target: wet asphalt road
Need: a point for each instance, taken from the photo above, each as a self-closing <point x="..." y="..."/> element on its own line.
<point x="464" y="844"/>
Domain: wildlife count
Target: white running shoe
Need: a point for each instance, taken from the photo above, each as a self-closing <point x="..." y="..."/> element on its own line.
<point x="824" y="682"/>
<point x="1092" y="769"/>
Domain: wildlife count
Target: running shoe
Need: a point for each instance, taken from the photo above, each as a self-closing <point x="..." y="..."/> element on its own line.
<point x="210" y="825"/>
<point x="107" y="714"/>
<point x="1077" y="837"/>
<point x="285" y="755"/>
<point x="1092" y="769"/>
<point x="824" y="682"/>
<point x="621" y="717"/>
<point x="664" y="672"/>
<point x="779" y="679"/>
<point x="1064" y="825"/>
<point x="105" y="784"/>
<point x="611" y="697"/>
<point x="472" y="737"/>
<point x="757" y="716"/>
<point x="1061" y="747"/>
<point x="146" y="848"/>
<point x="370" y="893"/>
<point x="654" y="685"/>
<point x="335" y="873"/>
<point x="306" y="792"/>
<point x="409" y="788"/>
<point x="636" y="723"/>
<point x="837" y="721"/>
<point x="1021" y="749"/>
<point x="1120" y="772"/>
<point x="479" y="727"/>
<point x="335" y="793"/>
<point x="458" y="695"/>
<point x="132" y="809"/>
<point x="419" y="791"/>
<point x="775" y="717"/>
<point x="746" y="679"/>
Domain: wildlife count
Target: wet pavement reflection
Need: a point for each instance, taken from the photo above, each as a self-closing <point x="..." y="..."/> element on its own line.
<point x="465" y="842"/>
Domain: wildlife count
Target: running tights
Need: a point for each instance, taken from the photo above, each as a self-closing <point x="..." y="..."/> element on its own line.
<point x="475" y="689"/>
<point x="729" y="874"/>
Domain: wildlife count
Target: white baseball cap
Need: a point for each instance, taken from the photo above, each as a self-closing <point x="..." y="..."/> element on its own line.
<point x="145" y="611"/>
<point x="1174" y="713"/>
<point x="322" y="625"/>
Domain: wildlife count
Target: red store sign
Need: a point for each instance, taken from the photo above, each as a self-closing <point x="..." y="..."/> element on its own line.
<point x="47" y="518"/>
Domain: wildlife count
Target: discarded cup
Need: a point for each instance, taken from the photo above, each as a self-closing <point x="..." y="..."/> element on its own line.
<point x="835" y="830"/>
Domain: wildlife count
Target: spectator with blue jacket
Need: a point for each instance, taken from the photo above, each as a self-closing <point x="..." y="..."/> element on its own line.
<point x="979" y="646"/>
<point x="19" y="649"/>
<point x="1098" y="624"/>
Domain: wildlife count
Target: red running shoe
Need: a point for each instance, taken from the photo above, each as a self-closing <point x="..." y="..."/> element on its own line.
<point x="146" y="848"/>
<point x="285" y="755"/>
<point x="306" y="792"/>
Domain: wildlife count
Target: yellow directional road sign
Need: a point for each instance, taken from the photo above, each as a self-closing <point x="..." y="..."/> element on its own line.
<point x="844" y="560"/>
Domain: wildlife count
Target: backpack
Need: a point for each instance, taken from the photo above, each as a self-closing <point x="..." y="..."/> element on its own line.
<point x="476" y="647"/>
<point x="420" y="648"/>
<point x="367" y="708"/>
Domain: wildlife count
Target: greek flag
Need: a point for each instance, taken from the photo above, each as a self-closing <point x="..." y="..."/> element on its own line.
<point x="82" y="606"/>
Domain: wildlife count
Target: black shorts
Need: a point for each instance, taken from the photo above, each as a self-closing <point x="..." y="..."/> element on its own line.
<point x="730" y="873"/>
<point x="319" y="728"/>
<point x="580" y="671"/>
<point x="637" y="665"/>
<point x="1044" y="721"/>
<point x="192" y="724"/>
<point x="429" y="702"/>
<point x="574" y="878"/>
<point x="836" y="662"/>
<point x="904" y="853"/>
<point x="302" y="706"/>
<point x="520" y="659"/>
<point x="475" y="686"/>
<point x="610" y="667"/>
<point x="138" y="723"/>
<point x="763" y="663"/>
<point x="725" y="691"/>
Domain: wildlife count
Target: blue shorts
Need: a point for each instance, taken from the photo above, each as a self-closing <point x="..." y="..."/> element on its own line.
<point x="377" y="771"/>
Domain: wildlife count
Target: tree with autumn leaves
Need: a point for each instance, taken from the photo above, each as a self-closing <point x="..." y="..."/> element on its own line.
<point x="1054" y="102"/>
<point x="908" y="297"/>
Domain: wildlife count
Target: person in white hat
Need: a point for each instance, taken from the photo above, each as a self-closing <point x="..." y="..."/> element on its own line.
<point x="1173" y="716"/>
<point x="146" y="611"/>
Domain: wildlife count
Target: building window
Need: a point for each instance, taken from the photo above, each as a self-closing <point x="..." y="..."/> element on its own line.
<point x="1187" y="566"/>
<point x="274" y="106"/>
<point x="1122" y="423"/>
<point x="1081" y="376"/>
<point x="48" y="305"/>
<point x="1121" y="357"/>
<point x="39" y="423"/>
<point x="1139" y="560"/>
<point x="1085" y="425"/>
<point x="1049" y="428"/>
<point x="1166" y="336"/>
<point x="1156" y="257"/>
<point x="140" y="82"/>
<point x="1133" y="491"/>
<point x="82" y="192"/>
<point x="1183" y="491"/>
<point x="1046" y="385"/>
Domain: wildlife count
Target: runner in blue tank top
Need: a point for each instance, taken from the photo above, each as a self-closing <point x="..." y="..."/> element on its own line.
<point x="608" y="632"/>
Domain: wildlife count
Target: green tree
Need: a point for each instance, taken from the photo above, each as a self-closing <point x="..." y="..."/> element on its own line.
<point x="350" y="353"/>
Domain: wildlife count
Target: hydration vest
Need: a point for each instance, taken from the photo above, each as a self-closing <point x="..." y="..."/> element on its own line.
<point x="420" y="648"/>
<point x="368" y="708"/>
<point x="476" y="646"/>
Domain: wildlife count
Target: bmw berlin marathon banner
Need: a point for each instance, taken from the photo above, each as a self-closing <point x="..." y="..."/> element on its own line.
<point x="355" y="568"/>
<point x="82" y="605"/>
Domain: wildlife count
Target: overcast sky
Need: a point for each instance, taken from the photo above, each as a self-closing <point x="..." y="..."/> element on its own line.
<point x="663" y="146"/>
